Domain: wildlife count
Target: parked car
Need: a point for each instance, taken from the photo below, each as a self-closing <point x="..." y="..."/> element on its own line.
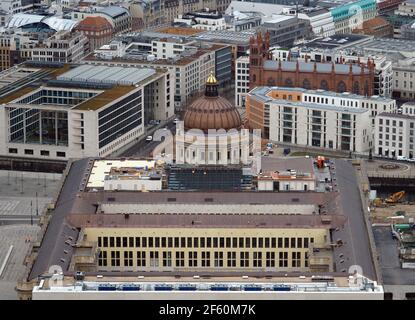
<point x="149" y="138"/>
<point x="401" y="158"/>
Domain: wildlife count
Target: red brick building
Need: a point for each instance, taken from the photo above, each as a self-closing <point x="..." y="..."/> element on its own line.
<point x="337" y="77"/>
<point x="98" y="31"/>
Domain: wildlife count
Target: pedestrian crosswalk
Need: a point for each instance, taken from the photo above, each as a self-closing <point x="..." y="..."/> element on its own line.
<point x="22" y="205"/>
<point x="8" y="206"/>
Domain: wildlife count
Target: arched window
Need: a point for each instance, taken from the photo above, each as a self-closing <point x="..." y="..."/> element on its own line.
<point x="366" y="88"/>
<point x="356" y="88"/>
<point x="306" y="84"/>
<point x="288" y="82"/>
<point x="341" y="87"/>
<point x="324" y="85"/>
<point x="271" y="82"/>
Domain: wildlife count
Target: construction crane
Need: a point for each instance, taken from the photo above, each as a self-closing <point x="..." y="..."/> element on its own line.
<point x="396" y="197"/>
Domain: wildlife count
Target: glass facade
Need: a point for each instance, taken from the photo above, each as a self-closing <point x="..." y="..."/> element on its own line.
<point x="57" y="97"/>
<point x="120" y="118"/>
<point x="38" y="126"/>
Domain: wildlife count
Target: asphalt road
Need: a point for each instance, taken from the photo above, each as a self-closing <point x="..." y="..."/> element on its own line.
<point x="389" y="259"/>
<point x="143" y="148"/>
<point x="356" y="249"/>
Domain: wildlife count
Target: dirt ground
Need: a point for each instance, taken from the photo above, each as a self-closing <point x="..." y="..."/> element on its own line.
<point x="379" y="215"/>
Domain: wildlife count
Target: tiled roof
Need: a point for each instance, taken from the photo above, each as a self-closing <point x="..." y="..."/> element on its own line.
<point x="94" y="24"/>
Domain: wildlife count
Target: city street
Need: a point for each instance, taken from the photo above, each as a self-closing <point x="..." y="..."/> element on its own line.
<point x="357" y="250"/>
<point x="143" y="148"/>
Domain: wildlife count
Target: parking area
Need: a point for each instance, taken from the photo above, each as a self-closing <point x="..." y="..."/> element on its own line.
<point x="389" y="259"/>
<point x="20" y="237"/>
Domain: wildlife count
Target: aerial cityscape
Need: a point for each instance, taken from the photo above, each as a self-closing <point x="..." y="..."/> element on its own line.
<point x="207" y="150"/>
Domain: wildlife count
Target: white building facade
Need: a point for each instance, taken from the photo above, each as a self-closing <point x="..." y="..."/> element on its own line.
<point x="241" y="80"/>
<point x="82" y="114"/>
<point x="394" y="135"/>
<point x="64" y="46"/>
<point x="404" y="78"/>
<point x="311" y="123"/>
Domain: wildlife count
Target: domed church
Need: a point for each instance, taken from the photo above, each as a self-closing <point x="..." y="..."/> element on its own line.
<point x="211" y="111"/>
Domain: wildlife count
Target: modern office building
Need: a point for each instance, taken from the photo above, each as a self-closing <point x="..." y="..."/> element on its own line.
<point x="191" y="68"/>
<point x="204" y="20"/>
<point x="404" y="79"/>
<point x="286" y="116"/>
<point x="63" y="46"/>
<point x="394" y="135"/>
<point x="285" y="30"/>
<point x="81" y="111"/>
<point x="241" y="80"/>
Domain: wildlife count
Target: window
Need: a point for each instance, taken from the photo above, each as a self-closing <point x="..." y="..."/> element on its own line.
<point x="60" y="154"/>
<point x="154" y="259"/>
<point x="283" y="261"/>
<point x="234" y="242"/>
<point x="179" y="258"/>
<point x="105" y="242"/>
<point x="144" y="242"/>
<point x="102" y="259"/>
<point x="232" y="259"/>
<point x="247" y="242"/>
<point x="28" y="151"/>
<point x="124" y="242"/>
<point x="279" y="242"/>
<point x="193" y="259"/>
<point x="299" y="242"/>
<point x="296" y="259"/>
<point x="218" y="259"/>
<point x="257" y="259"/>
<point x="128" y="258"/>
<point x="166" y="259"/>
<point x="111" y="242"/>
<point x="141" y="258"/>
<point x="286" y="242"/>
<point x="118" y="242"/>
<point x="42" y="152"/>
<point x="292" y="242"/>
<point x="270" y="259"/>
<point x="12" y="150"/>
<point x="244" y="259"/>
<point x="205" y="259"/>
<point x="115" y="258"/>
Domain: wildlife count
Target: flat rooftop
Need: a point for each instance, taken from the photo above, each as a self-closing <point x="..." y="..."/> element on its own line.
<point x="105" y="74"/>
<point x="260" y="93"/>
<point x="77" y="207"/>
<point x="104" y="98"/>
<point x="210" y="221"/>
<point x="336" y="41"/>
<point x="102" y="168"/>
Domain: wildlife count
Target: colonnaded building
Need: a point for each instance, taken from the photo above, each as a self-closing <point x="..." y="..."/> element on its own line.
<point x="169" y="231"/>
